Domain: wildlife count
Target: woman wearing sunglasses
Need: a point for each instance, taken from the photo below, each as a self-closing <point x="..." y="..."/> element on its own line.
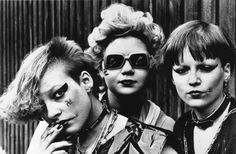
<point x="58" y="83"/>
<point x="124" y="45"/>
<point x="199" y="59"/>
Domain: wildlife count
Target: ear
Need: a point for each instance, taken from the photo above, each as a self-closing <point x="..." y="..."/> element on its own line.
<point x="103" y="71"/>
<point x="86" y="81"/>
<point x="227" y="72"/>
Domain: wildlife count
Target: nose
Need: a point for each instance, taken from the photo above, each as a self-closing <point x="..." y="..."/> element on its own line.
<point x="194" y="79"/>
<point x="53" y="111"/>
<point x="127" y="68"/>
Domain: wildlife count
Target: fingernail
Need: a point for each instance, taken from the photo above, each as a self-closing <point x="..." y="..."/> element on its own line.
<point x="60" y="127"/>
<point x="68" y="138"/>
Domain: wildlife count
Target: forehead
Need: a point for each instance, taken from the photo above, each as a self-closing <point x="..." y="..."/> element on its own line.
<point x="125" y="46"/>
<point x="54" y="75"/>
<point x="186" y="57"/>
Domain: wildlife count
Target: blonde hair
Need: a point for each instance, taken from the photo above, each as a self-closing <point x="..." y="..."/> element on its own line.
<point x="20" y="102"/>
<point x="119" y="20"/>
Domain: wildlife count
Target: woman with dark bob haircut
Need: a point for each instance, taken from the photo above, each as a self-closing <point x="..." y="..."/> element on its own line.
<point x="199" y="59"/>
<point x="58" y="83"/>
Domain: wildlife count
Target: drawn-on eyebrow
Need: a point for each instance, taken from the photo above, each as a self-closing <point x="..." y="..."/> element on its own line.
<point x="62" y="89"/>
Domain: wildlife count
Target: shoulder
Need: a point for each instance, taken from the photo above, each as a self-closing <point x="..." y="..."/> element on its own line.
<point x="180" y="123"/>
<point x="138" y="136"/>
<point x="157" y="136"/>
<point x="141" y="127"/>
<point x="161" y="119"/>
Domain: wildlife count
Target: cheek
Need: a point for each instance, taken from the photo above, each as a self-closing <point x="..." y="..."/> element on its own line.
<point x="142" y="74"/>
<point x="68" y="102"/>
<point x="111" y="77"/>
<point x="76" y="97"/>
<point x="178" y="80"/>
<point x="215" y="82"/>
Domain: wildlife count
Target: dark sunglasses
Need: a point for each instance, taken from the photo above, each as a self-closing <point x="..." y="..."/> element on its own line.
<point x="116" y="61"/>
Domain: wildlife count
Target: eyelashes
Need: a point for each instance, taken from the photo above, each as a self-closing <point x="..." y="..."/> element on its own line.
<point x="60" y="92"/>
<point x="202" y="68"/>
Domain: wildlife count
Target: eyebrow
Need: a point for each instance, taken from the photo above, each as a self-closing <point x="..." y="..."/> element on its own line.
<point x="52" y="88"/>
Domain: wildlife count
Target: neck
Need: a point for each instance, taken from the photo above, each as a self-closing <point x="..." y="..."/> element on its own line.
<point x="203" y="113"/>
<point x="96" y="111"/>
<point x="128" y="105"/>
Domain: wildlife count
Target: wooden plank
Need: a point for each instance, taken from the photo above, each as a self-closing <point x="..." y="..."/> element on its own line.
<point x="71" y="19"/>
<point x="64" y="14"/>
<point x="40" y="21"/>
<point x="96" y="12"/>
<point x="160" y="14"/>
<point x="208" y="12"/>
<point x="1" y="46"/>
<point x="79" y="23"/>
<point x="16" y="36"/>
<point x="192" y="9"/>
<point x="227" y="22"/>
<point x="87" y="19"/>
<point x="176" y="14"/>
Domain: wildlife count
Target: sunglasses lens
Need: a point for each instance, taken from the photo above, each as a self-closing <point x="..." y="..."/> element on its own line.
<point x="139" y="60"/>
<point x="114" y="61"/>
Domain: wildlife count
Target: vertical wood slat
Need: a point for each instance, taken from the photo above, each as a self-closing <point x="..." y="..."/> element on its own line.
<point x="192" y="9"/>
<point x="227" y="16"/>
<point x="1" y="51"/>
<point x="209" y="11"/>
<point x="25" y="24"/>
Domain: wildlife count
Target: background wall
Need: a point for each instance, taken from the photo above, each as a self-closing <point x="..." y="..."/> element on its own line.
<point x="27" y="23"/>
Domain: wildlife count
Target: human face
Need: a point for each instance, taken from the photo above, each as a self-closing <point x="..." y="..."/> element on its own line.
<point x="125" y="80"/>
<point x="64" y="98"/>
<point x="200" y="84"/>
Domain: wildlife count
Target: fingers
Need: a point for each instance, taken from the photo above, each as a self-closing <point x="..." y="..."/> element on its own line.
<point x="50" y="134"/>
<point x="60" y="152"/>
<point x="46" y="132"/>
<point x="57" y="147"/>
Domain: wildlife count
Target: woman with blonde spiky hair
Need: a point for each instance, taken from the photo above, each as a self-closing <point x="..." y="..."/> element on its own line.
<point x="125" y="45"/>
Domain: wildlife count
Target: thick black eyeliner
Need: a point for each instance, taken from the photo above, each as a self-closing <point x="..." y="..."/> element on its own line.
<point x="63" y="88"/>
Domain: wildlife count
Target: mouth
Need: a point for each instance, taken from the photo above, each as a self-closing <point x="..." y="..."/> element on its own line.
<point x="64" y="122"/>
<point x="196" y="93"/>
<point x="127" y="82"/>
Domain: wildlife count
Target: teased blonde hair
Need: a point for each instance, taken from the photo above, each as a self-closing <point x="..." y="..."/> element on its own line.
<point x="20" y="102"/>
<point x="119" y="20"/>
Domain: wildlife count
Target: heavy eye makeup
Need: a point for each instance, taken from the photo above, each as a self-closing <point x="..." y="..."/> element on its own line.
<point x="207" y="68"/>
<point x="59" y="93"/>
<point x="181" y="69"/>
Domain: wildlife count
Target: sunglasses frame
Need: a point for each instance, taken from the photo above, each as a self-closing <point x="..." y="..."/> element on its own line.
<point x="127" y="58"/>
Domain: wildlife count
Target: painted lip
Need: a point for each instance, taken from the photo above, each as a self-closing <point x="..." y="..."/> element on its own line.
<point x="65" y="122"/>
<point x="127" y="82"/>
<point x="196" y="93"/>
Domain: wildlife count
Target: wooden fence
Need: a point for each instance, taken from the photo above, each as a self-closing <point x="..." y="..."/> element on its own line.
<point x="27" y="23"/>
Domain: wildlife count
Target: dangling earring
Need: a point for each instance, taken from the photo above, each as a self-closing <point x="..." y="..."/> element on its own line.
<point x="105" y="72"/>
<point x="226" y="86"/>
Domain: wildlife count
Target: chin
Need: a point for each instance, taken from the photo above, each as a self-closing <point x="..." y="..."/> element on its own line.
<point x="197" y="104"/>
<point x="73" y="130"/>
<point x="127" y="92"/>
